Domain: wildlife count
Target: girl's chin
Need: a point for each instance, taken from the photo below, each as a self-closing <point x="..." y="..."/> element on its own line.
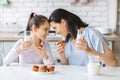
<point x="43" y="38"/>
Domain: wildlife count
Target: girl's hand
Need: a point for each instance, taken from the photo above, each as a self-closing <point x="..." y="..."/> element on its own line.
<point x="82" y="44"/>
<point x="23" y="46"/>
<point x="60" y="49"/>
<point x="42" y="52"/>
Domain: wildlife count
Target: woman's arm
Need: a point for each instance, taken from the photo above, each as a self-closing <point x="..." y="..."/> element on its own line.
<point x="107" y="58"/>
<point x="64" y="60"/>
<point x="61" y="51"/>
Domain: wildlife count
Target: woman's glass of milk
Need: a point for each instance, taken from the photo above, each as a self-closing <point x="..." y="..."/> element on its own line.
<point x="27" y="36"/>
<point x="80" y="34"/>
<point x="93" y="65"/>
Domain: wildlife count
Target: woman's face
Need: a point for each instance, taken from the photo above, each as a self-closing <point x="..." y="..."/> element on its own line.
<point x="60" y="28"/>
<point x="43" y="31"/>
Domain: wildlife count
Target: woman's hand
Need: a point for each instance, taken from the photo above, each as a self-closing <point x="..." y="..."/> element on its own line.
<point x="60" y="49"/>
<point x="42" y="52"/>
<point x="61" y="52"/>
<point x="82" y="44"/>
<point x="24" y="46"/>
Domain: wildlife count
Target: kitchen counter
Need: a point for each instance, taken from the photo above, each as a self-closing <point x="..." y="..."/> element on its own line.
<point x="12" y="36"/>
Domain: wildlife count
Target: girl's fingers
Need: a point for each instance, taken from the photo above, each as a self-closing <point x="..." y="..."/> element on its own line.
<point x="43" y="55"/>
<point x="42" y="49"/>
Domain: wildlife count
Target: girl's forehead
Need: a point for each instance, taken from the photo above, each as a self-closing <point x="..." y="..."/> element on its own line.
<point x="45" y="25"/>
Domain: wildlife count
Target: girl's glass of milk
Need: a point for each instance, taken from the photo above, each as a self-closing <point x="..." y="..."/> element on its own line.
<point x="27" y="36"/>
<point x="93" y="65"/>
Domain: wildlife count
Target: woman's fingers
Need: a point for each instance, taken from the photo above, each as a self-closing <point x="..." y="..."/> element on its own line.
<point x="81" y="44"/>
<point x="59" y="48"/>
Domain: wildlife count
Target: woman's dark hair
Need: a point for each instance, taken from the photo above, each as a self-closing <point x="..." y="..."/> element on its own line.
<point x="35" y="19"/>
<point x="74" y="22"/>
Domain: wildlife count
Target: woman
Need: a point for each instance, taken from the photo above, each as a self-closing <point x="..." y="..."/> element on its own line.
<point x="27" y="51"/>
<point x="66" y="24"/>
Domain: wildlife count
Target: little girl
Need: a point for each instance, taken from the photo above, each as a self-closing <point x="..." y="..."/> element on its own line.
<point x="27" y="51"/>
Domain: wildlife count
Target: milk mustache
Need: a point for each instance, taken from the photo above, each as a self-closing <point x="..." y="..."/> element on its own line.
<point x="93" y="65"/>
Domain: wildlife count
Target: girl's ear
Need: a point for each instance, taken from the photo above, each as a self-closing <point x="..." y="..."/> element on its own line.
<point x="34" y="28"/>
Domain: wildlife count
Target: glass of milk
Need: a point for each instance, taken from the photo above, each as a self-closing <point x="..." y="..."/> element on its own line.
<point x="93" y="65"/>
<point x="27" y="36"/>
<point x="80" y="34"/>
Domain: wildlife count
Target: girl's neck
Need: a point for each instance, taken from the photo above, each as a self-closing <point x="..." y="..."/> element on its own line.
<point x="35" y="40"/>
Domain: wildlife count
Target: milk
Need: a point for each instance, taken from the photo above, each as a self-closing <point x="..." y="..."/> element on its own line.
<point x="93" y="68"/>
<point x="80" y="34"/>
<point x="27" y="38"/>
<point x="93" y="65"/>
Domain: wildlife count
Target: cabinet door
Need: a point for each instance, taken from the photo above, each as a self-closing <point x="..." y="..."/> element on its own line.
<point x="1" y="51"/>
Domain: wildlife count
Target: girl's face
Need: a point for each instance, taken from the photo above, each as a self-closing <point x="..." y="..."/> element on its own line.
<point x="60" y="28"/>
<point x="42" y="31"/>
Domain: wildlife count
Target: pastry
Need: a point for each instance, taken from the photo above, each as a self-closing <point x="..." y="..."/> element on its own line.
<point x="62" y="42"/>
<point x="35" y="68"/>
<point x="42" y="68"/>
<point x="38" y="45"/>
<point x="50" y="68"/>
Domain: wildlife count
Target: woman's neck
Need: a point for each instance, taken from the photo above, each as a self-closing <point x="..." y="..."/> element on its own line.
<point x="73" y="40"/>
<point x="82" y="29"/>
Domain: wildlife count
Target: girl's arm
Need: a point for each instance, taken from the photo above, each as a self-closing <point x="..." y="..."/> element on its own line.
<point x="12" y="55"/>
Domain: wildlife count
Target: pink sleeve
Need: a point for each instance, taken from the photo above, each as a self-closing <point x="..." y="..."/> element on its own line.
<point x="12" y="55"/>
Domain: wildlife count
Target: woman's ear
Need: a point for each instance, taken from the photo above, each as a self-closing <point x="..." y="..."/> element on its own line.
<point x="34" y="28"/>
<point x="63" y="22"/>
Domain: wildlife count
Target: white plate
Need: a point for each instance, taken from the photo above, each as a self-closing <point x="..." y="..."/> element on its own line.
<point x="44" y="73"/>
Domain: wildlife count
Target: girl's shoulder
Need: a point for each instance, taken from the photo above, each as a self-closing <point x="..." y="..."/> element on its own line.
<point x="19" y="41"/>
<point x="45" y="43"/>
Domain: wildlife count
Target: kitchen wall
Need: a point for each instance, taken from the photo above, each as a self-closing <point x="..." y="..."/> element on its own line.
<point x="14" y="16"/>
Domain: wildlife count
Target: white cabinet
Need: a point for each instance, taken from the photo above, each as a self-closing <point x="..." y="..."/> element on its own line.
<point x="1" y="51"/>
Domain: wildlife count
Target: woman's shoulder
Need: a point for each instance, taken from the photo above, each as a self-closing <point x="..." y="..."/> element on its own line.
<point x="91" y="31"/>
